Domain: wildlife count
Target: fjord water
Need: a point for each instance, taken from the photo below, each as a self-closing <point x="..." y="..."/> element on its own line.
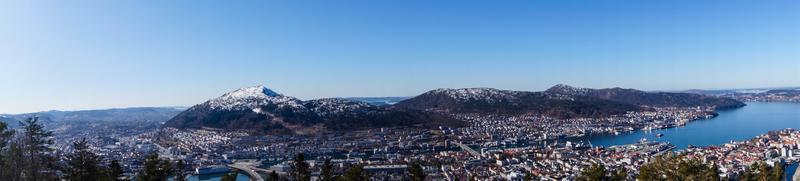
<point x="736" y="124"/>
<point x="217" y="177"/>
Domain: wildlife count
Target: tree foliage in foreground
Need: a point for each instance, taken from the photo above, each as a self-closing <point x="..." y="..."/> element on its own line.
<point x="230" y="176"/>
<point x="760" y="171"/>
<point x="326" y="172"/>
<point x="416" y="173"/>
<point x="155" y="169"/>
<point x="300" y="169"/>
<point x="26" y="155"/>
<point x="672" y="167"/>
<point x="355" y="173"/>
<point x="84" y="165"/>
<point x="598" y="172"/>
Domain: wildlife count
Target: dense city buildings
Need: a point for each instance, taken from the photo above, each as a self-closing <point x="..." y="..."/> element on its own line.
<point x="490" y="147"/>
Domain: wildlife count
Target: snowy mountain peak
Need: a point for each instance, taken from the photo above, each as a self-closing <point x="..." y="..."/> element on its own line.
<point x="567" y="89"/>
<point x="252" y="97"/>
<point x="254" y="91"/>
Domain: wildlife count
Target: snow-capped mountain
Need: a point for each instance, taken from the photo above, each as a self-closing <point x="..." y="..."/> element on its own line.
<point x="643" y="98"/>
<point x="261" y="110"/>
<point x="495" y="101"/>
<point x="567" y="90"/>
<point x="332" y="106"/>
<point x="249" y="98"/>
<point x="475" y="94"/>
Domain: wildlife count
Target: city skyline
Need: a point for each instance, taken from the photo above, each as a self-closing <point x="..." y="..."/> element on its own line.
<point x="94" y="55"/>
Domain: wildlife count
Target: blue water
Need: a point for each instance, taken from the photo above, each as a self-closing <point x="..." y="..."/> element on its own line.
<point x="790" y="168"/>
<point x="217" y="177"/>
<point x="736" y="124"/>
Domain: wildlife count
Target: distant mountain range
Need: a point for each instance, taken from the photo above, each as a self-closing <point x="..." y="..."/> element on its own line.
<point x="260" y="110"/>
<point x="652" y="99"/>
<point x="156" y="114"/>
<point x="378" y="101"/>
<point x="787" y="94"/>
<point x="495" y="101"/>
<point x="730" y="92"/>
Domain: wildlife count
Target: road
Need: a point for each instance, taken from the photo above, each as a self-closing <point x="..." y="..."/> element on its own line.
<point x="468" y="149"/>
<point x="250" y="170"/>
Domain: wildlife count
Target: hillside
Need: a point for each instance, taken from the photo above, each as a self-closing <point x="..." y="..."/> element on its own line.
<point x="494" y="101"/>
<point x="150" y="114"/>
<point x="262" y="111"/>
<point x="652" y="99"/>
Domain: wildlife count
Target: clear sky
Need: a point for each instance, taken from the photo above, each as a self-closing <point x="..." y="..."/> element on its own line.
<point x="70" y="55"/>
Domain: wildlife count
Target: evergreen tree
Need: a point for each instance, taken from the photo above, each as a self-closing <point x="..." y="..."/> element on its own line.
<point x="528" y="176"/>
<point x="672" y="167"/>
<point x="777" y="172"/>
<point x="355" y="173"/>
<point x="83" y="165"/>
<point x="155" y="169"/>
<point x="274" y="176"/>
<point x="300" y="169"/>
<point x="5" y="161"/>
<point x="37" y="165"/>
<point x="713" y="172"/>
<point x="750" y="173"/>
<point x="691" y="169"/>
<point x="230" y="176"/>
<point x="763" y="172"/>
<point x="595" y="172"/>
<point x="180" y="171"/>
<point x="620" y="174"/>
<point x="15" y="165"/>
<point x="115" y="170"/>
<point x="326" y="173"/>
<point x="416" y="173"/>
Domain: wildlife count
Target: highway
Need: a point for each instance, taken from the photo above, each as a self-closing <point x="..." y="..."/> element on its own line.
<point x="251" y="171"/>
<point x="468" y="149"/>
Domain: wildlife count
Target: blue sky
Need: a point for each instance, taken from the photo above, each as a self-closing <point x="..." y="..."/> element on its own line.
<point x="71" y="55"/>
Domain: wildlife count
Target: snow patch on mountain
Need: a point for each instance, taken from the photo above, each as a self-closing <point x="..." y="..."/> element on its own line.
<point x="328" y="106"/>
<point x="568" y="90"/>
<point x="251" y="98"/>
<point x="472" y="94"/>
<point x="752" y="91"/>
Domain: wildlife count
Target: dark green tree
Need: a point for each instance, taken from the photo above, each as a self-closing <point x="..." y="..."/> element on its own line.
<point x="5" y="160"/>
<point x="674" y="167"/>
<point x="83" y="165"/>
<point x="274" y="176"/>
<point x="763" y="171"/>
<point x="528" y="176"/>
<point x="355" y="173"/>
<point x="326" y="173"/>
<point x="416" y="173"/>
<point x="230" y="176"/>
<point x="300" y="169"/>
<point x="778" y="171"/>
<point x="15" y="161"/>
<point x="620" y="174"/>
<point x="180" y="171"/>
<point x="750" y="173"/>
<point x="713" y="172"/>
<point x="155" y="169"/>
<point x="691" y="169"/>
<point x="595" y="172"/>
<point x="115" y="170"/>
<point x="36" y="141"/>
